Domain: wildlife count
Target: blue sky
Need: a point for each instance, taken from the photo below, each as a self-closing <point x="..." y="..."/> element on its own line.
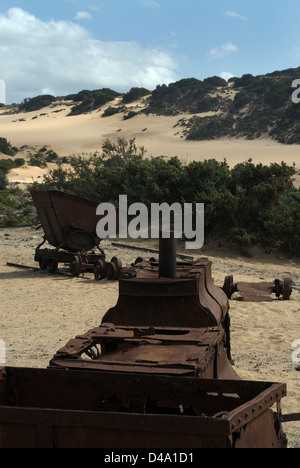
<point x="64" y="46"/>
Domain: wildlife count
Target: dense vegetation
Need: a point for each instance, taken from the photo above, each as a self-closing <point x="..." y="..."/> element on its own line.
<point x="188" y="95"/>
<point x="87" y="101"/>
<point x="249" y="204"/>
<point x="7" y="164"/>
<point x="36" y="103"/>
<point x="15" y="204"/>
<point x="16" y="207"/>
<point x="134" y="94"/>
<point x="259" y="105"/>
<point x="6" y="147"/>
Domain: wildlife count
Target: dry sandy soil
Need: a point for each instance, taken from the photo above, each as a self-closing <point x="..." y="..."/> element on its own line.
<point x="41" y="312"/>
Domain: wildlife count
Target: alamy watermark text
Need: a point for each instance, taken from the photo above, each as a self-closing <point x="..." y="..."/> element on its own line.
<point x="161" y="220"/>
<point x="296" y="93"/>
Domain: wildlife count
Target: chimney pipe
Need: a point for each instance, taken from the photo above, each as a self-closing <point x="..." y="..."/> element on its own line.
<point x="167" y="256"/>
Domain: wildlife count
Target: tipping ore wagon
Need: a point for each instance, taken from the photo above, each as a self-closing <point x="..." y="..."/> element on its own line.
<point x="69" y="225"/>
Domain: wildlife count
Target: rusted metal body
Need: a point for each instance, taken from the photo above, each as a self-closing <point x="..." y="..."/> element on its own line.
<point x="69" y="224"/>
<point x="48" y="408"/>
<point x="191" y="299"/>
<point x="174" y="326"/>
<point x="156" y="373"/>
<point x="258" y="292"/>
<point x="197" y="352"/>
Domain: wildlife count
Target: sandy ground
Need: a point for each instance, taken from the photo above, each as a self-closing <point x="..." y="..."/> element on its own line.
<point x="41" y="312"/>
<point x="159" y="135"/>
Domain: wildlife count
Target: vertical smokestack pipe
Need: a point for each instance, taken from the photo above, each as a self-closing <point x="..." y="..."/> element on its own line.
<point x="167" y="256"/>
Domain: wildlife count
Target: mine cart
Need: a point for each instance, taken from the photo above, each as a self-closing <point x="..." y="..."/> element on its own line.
<point x="49" y="408"/>
<point x="69" y="224"/>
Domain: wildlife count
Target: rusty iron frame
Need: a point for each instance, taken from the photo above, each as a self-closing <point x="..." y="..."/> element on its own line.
<point x="128" y="410"/>
<point x="260" y="291"/>
<point x="170" y="351"/>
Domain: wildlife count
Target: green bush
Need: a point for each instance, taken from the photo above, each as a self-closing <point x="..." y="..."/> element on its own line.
<point x="211" y="128"/>
<point x="185" y="96"/>
<point x="216" y="82"/>
<point x="6" y="165"/>
<point x="130" y="115"/>
<point x="51" y="156"/>
<point x="11" y="219"/>
<point x="16" y="207"/>
<point x="134" y="94"/>
<point x="37" y="161"/>
<point x="19" y="162"/>
<point x="3" y="180"/>
<point x="112" y="111"/>
<point x="36" y="103"/>
<point x="248" y="204"/>
<point x="91" y="100"/>
<point x="6" y="147"/>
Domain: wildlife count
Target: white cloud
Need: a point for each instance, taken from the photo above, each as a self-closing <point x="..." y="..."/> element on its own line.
<point x="235" y="14"/>
<point x="226" y="75"/>
<point x="83" y="15"/>
<point x="222" y="51"/>
<point x="63" y="57"/>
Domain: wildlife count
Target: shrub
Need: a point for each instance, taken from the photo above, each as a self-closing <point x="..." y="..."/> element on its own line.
<point x="112" y="111"/>
<point x="134" y="94"/>
<point x="19" y="162"/>
<point x="248" y="204"/>
<point x="11" y="219"/>
<point x="6" y="147"/>
<point x="36" y="103"/>
<point x="6" y="165"/>
<point x="51" y="156"/>
<point x="92" y="100"/>
<point x="37" y="161"/>
<point x="3" y="180"/>
<point x="216" y="81"/>
<point x="130" y="115"/>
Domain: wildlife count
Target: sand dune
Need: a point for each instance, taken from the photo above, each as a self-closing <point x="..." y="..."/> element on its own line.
<point x="159" y="135"/>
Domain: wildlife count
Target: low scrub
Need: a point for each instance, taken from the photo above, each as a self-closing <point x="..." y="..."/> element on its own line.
<point x="249" y="204"/>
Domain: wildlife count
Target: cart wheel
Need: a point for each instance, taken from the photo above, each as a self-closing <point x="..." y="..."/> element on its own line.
<point x="52" y="266"/>
<point x="76" y="265"/>
<point x="117" y="261"/>
<point x="228" y="286"/>
<point x="277" y="288"/>
<point x="100" y="270"/>
<point x="43" y="262"/>
<point x="140" y="260"/>
<point x="153" y="260"/>
<point x="286" y="289"/>
<point x="114" y="269"/>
